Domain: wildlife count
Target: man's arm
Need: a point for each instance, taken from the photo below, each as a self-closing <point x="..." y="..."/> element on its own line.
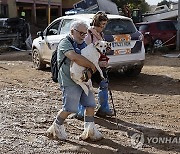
<point x="80" y="60"/>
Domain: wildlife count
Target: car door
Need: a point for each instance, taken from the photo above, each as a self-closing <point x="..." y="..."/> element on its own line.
<point x="53" y="34"/>
<point x="51" y="40"/>
<point x="167" y="32"/>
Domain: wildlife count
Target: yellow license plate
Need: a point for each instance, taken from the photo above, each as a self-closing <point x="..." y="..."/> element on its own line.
<point x="121" y="44"/>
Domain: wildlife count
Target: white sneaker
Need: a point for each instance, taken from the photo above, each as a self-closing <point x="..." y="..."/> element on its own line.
<point x="57" y="131"/>
<point x="90" y="131"/>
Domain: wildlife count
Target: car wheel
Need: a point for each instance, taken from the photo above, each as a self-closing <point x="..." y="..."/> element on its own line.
<point x="133" y="72"/>
<point x="158" y="43"/>
<point x="37" y="61"/>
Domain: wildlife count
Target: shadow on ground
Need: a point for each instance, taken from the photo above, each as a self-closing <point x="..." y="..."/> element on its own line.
<point x="153" y="137"/>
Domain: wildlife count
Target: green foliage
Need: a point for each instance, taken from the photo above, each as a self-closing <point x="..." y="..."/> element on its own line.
<point x="133" y="4"/>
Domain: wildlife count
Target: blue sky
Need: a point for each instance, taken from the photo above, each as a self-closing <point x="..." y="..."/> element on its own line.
<point x="155" y="2"/>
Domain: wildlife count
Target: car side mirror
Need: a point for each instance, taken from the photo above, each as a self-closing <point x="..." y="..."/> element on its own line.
<point x="40" y="33"/>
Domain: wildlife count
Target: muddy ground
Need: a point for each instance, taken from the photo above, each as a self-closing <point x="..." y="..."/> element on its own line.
<point x="148" y="105"/>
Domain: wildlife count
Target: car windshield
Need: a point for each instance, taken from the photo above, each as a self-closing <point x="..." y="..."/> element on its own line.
<point x="166" y="26"/>
<point x="142" y="27"/>
<point x="119" y="26"/>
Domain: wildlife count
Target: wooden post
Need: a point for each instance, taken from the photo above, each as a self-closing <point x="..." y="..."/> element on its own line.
<point x="178" y="28"/>
<point x="34" y="12"/>
<point x="49" y="11"/>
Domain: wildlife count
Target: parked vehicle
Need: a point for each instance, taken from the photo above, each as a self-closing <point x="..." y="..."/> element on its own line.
<point x="162" y="12"/>
<point x="158" y="33"/>
<point x="14" y="31"/>
<point x="3" y="22"/>
<point x="127" y="52"/>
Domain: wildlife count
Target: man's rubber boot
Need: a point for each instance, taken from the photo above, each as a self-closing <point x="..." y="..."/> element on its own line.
<point x="56" y="131"/>
<point x="90" y="132"/>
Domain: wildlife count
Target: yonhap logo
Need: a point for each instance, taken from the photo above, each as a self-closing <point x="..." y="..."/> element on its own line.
<point x="137" y="140"/>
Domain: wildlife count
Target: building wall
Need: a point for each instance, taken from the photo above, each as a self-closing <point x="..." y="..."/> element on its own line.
<point x="3" y="8"/>
<point x="54" y="2"/>
<point x="12" y="8"/>
<point x="35" y="10"/>
<point x="13" y="5"/>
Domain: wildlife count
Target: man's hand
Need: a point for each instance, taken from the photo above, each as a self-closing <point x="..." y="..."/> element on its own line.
<point x="93" y="68"/>
<point x="87" y="74"/>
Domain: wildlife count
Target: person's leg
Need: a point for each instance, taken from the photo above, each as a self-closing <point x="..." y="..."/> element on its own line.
<point x="71" y="98"/>
<point x="80" y="114"/>
<point x="90" y="130"/>
<point x="57" y="130"/>
<point x="103" y="97"/>
<point x="103" y="100"/>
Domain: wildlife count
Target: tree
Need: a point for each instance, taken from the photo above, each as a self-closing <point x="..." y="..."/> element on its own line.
<point x="132" y="4"/>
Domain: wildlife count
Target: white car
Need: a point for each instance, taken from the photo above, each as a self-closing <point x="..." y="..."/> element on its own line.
<point x="127" y="52"/>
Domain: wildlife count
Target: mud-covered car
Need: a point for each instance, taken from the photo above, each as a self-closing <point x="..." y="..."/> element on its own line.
<point x="127" y="52"/>
<point x="14" y="31"/>
<point x="158" y="34"/>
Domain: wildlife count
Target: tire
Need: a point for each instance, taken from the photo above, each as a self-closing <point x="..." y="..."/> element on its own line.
<point x="133" y="72"/>
<point x="158" y="43"/>
<point x="37" y="61"/>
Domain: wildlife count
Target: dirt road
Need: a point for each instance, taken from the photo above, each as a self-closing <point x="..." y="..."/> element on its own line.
<point x="147" y="110"/>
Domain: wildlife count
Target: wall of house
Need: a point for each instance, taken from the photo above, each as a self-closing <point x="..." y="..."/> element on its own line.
<point x="12" y="8"/>
<point x="36" y="10"/>
<point x="3" y="8"/>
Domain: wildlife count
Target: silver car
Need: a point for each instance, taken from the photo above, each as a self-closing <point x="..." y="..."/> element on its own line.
<point x="127" y="52"/>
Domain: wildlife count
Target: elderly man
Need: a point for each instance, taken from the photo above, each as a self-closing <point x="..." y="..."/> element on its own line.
<point x="72" y="93"/>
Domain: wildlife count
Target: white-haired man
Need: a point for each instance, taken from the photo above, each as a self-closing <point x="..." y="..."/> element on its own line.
<point x="72" y="93"/>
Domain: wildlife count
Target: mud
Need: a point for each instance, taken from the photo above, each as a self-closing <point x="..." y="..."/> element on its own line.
<point x="148" y="104"/>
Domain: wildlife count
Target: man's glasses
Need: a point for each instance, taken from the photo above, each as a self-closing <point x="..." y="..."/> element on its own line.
<point x="81" y="33"/>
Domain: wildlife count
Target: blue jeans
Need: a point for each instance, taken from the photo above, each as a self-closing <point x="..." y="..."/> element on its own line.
<point x="103" y="96"/>
<point x="102" y="100"/>
<point x="72" y="96"/>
